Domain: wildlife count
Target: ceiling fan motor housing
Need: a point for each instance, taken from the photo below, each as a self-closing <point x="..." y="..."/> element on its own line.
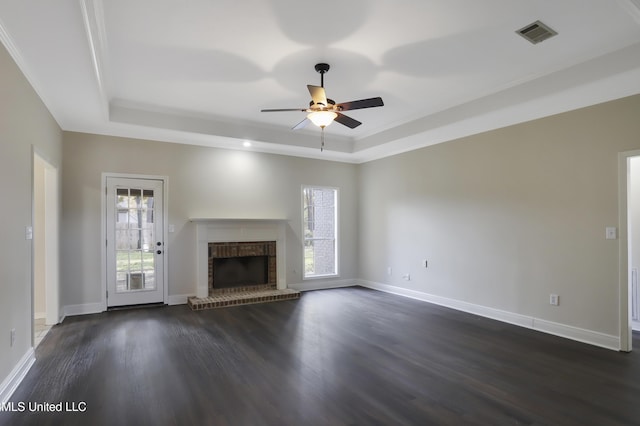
<point x="322" y="68"/>
<point x="330" y="104"/>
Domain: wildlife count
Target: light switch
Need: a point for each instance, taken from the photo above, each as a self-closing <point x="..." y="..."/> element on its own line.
<point x="611" y="233"/>
<point x="28" y="232"/>
<point x="172" y="228"/>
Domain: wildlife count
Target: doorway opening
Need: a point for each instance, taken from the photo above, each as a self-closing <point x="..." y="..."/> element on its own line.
<point x="633" y="232"/>
<point x="46" y="304"/>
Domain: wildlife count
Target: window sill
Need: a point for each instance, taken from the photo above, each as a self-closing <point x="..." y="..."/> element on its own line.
<point x="320" y="277"/>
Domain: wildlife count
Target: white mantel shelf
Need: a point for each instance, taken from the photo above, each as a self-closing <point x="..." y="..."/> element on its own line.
<point x="229" y="219"/>
<point x="213" y="230"/>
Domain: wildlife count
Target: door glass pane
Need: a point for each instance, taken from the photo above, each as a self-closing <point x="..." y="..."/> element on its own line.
<point x="147" y="199"/>
<point x="134" y="240"/>
<point x="129" y="241"/>
<point x="122" y="270"/>
<point x="148" y="268"/>
<point x="134" y="198"/>
<point x="122" y="198"/>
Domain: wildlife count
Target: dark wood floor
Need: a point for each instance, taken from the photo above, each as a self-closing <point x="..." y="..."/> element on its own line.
<point x="334" y="357"/>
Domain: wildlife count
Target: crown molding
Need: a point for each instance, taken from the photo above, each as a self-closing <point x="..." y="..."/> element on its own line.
<point x="94" y="24"/>
<point x="632" y="7"/>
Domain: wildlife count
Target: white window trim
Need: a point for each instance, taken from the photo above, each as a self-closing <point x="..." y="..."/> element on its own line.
<point x="337" y="232"/>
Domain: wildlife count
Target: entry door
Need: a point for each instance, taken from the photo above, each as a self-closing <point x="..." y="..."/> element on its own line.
<point x="135" y="246"/>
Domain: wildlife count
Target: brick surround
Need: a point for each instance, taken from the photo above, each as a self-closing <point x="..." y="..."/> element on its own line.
<point x="240" y="237"/>
<point x="242" y="295"/>
<point x="243" y="249"/>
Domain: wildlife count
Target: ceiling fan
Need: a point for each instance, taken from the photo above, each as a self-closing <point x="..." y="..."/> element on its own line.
<point x="323" y="111"/>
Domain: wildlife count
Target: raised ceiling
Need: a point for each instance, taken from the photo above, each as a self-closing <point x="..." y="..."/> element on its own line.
<point x="198" y="72"/>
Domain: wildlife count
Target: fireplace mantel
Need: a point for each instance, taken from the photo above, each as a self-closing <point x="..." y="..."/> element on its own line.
<point x="219" y="230"/>
<point x="227" y="219"/>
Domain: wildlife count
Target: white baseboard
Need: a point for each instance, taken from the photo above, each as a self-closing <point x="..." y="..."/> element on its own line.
<point x="84" y="309"/>
<point x="13" y="380"/>
<point x="579" y="334"/>
<point x="178" y="299"/>
<point x="96" y="308"/>
<point x="320" y="284"/>
<point x="574" y="333"/>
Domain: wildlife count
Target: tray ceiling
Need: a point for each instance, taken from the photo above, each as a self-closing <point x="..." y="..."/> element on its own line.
<point x="199" y="72"/>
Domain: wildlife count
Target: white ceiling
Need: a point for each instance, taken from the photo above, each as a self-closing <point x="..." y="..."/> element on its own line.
<point x="199" y="71"/>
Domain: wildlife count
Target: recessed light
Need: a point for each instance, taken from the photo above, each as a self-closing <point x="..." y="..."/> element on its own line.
<point x="246" y="144"/>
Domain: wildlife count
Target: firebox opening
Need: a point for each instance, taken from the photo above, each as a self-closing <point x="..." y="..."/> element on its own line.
<point x="229" y="272"/>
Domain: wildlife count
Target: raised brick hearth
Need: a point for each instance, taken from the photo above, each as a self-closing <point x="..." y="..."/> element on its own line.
<point x="240" y="293"/>
<point x="238" y="297"/>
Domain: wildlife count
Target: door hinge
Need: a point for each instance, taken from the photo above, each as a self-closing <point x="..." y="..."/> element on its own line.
<point x="107" y="294"/>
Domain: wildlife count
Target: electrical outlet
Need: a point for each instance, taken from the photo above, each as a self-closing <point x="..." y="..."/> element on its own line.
<point x="554" y="299"/>
<point x="389" y="271"/>
<point x="406" y="277"/>
<point x="13" y="336"/>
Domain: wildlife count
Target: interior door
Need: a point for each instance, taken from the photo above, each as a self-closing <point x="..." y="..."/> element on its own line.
<point x="135" y="246"/>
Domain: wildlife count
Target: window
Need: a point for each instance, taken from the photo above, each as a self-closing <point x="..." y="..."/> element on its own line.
<point x="320" y="224"/>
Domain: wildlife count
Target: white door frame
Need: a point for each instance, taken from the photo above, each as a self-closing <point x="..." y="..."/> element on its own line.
<point x="624" y="271"/>
<point x="51" y="236"/>
<point x="103" y="230"/>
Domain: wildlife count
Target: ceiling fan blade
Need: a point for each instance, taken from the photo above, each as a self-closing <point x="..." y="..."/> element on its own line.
<point x="283" y="109"/>
<point x="362" y="103"/>
<point x="301" y="124"/>
<point x="318" y="95"/>
<point x="347" y="121"/>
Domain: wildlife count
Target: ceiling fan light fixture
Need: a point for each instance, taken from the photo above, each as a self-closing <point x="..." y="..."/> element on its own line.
<point x="322" y="118"/>
<point x="323" y="111"/>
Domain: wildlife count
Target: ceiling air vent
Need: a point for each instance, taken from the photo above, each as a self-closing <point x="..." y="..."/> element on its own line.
<point x="536" y="32"/>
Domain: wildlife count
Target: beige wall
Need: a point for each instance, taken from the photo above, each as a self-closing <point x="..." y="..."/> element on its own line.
<point x="25" y="124"/>
<point x="203" y="182"/>
<point x="506" y="217"/>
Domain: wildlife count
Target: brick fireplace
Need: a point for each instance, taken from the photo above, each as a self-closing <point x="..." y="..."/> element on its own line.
<point x="251" y="255"/>
<point x="232" y="236"/>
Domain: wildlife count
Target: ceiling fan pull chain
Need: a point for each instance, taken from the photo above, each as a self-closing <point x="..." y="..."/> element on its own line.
<point x="322" y="139"/>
